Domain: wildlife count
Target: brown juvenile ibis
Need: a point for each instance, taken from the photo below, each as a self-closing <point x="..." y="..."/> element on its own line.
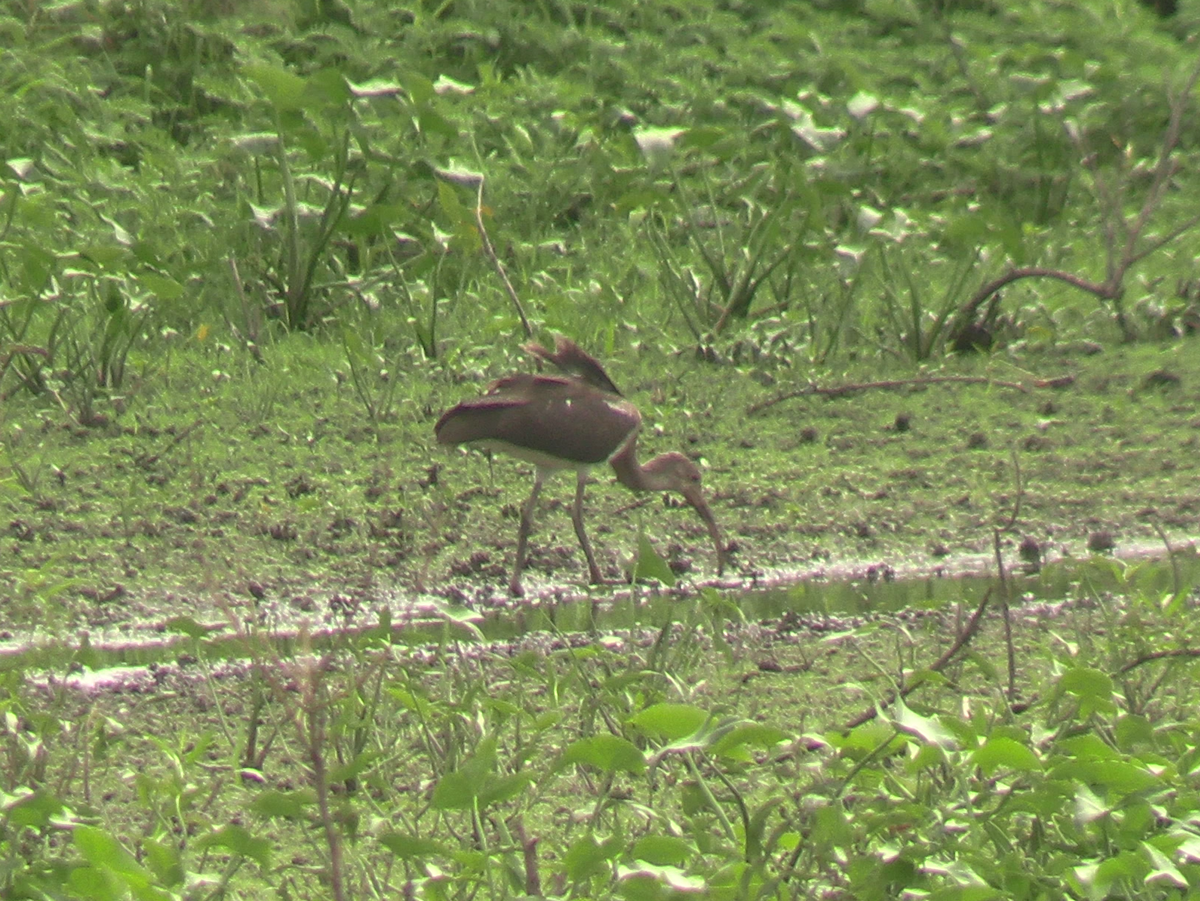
<point x="571" y="421"/>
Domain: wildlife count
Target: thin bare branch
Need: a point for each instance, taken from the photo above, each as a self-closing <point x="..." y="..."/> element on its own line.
<point x="960" y="642"/>
<point x="1061" y="381"/>
<point x="490" y="252"/>
<point x="1164" y="168"/>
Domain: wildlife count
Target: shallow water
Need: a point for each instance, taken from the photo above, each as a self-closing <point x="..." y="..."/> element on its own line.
<point x="841" y="595"/>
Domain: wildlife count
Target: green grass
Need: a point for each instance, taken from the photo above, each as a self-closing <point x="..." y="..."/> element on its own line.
<point x="276" y="480"/>
<point x="241" y="275"/>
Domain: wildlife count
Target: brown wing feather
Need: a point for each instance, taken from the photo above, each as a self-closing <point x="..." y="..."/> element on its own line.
<point x="575" y="362"/>
<point x="552" y="418"/>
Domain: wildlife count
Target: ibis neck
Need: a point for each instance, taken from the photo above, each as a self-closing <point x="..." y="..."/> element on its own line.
<point x="628" y="471"/>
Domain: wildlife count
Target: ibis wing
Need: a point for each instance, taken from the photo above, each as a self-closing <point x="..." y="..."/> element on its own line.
<point x="575" y="362"/>
<point x="543" y="419"/>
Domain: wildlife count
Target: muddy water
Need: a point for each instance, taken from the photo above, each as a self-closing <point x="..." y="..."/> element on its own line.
<point x="858" y="593"/>
<point x="836" y="594"/>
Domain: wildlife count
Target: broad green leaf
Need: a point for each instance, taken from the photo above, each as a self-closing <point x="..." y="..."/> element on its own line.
<point x="1121" y="776"/>
<point x="663" y="850"/>
<point x="1006" y="753"/>
<point x="28" y="808"/>
<point x="328" y="86"/>
<point x="164" y="860"/>
<point x="650" y="565"/>
<point x="1162" y="871"/>
<point x="925" y="728"/>
<point x="760" y="735"/>
<point x="497" y="790"/>
<point x="412" y="847"/>
<point x="1097" y="879"/>
<point x="1088" y="807"/>
<point x="289" y="805"/>
<point x="283" y="88"/>
<point x="433" y="122"/>
<point x="457" y="791"/>
<point x="1133" y="730"/>
<point x="668" y="877"/>
<point x="104" y="255"/>
<point x="112" y="869"/>
<point x="160" y="285"/>
<point x="587" y="857"/>
<point x="1087" y="683"/>
<point x="669" y="722"/>
<point x="606" y="752"/>
<point x="240" y="841"/>
<point x="102" y="850"/>
<point x="831" y="826"/>
<point x="702" y="136"/>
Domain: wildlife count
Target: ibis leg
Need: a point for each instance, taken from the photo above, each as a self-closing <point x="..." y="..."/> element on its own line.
<point x="577" y="521"/>
<point x="514" y="584"/>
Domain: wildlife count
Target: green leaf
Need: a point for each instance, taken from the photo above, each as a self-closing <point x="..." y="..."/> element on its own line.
<point x="832" y="827"/>
<point x="104" y="255"/>
<point x="1088" y="806"/>
<point x="654" y="877"/>
<point x="160" y="285"/>
<point x="1093" y="688"/>
<point x="1133" y="730"/>
<point x="284" y="805"/>
<point x="587" y="857"/>
<point x="28" y="808"/>
<point x="669" y="722"/>
<point x="1097" y="879"/>
<point x="240" y="841"/>
<point x="164" y="860"/>
<point x="354" y="767"/>
<point x="1162" y="871"/>
<point x="504" y="788"/>
<point x="284" y="89"/>
<point x="606" y="752"/>
<point x="650" y="565"/>
<point x="663" y="850"/>
<point x="463" y="619"/>
<point x="329" y="86"/>
<point x="758" y="734"/>
<point x="412" y="847"/>
<point x="925" y="728"/>
<point x="702" y="136"/>
<point x="102" y="850"/>
<point x="1000" y="752"/>
<point x="457" y="791"/>
<point x="112" y="868"/>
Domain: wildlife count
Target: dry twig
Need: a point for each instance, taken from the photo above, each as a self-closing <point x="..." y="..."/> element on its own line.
<point x="810" y="389"/>
<point x="963" y="639"/>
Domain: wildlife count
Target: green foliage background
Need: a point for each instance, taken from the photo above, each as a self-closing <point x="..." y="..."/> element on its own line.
<point x="225" y="171"/>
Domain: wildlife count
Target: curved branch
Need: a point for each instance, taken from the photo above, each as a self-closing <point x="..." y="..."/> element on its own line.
<point x="966" y="313"/>
<point x="1061" y="381"/>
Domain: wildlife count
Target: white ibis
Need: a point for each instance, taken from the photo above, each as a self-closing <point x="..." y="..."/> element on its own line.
<point x="573" y="421"/>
